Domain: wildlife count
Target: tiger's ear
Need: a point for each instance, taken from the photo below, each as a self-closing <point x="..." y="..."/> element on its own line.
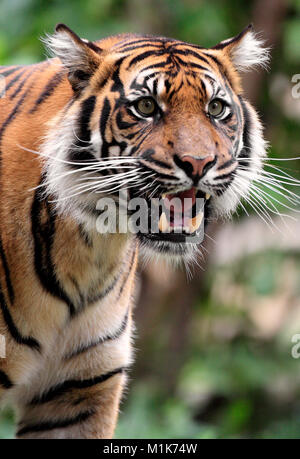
<point x="246" y="50"/>
<point x="80" y="57"/>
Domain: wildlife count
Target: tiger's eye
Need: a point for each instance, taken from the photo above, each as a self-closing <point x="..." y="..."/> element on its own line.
<point x="146" y="106"/>
<point x="215" y="107"/>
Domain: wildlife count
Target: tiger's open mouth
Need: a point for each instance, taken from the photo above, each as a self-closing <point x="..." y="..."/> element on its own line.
<point x="185" y="217"/>
<point x="177" y="218"/>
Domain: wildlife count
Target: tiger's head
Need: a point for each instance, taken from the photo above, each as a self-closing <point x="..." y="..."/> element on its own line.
<point x="156" y="117"/>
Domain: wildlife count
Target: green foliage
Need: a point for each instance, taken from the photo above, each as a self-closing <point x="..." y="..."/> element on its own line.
<point x="292" y="40"/>
<point x="148" y="415"/>
<point x="7" y="425"/>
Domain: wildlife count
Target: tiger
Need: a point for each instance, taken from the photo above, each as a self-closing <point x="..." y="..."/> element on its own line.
<point x="151" y="115"/>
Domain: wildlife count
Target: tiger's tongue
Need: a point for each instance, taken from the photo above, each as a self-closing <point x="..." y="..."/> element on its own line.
<point x="180" y="206"/>
<point x="185" y="201"/>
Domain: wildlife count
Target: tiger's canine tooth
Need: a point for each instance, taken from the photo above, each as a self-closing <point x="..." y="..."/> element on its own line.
<point x="163" y="224"/>
<point x="195" y="222"/>
<point x="207" y="196"/>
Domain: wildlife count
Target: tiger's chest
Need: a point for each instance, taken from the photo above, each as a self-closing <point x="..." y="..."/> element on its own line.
<point x="75" y="292"/>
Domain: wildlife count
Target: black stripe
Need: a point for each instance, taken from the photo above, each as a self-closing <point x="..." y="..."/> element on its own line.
<point x="158" y="174"/>
<point x="246" y="150"/>
<point x="167" y="86"/>
<point x="24" y="340"/>
<point x="175" y="91"/>
<point x="59" y="424"/>
<point x="227" y="164"/>
<point x="188" y="52"/>
<point x="5" y="381"/>
<point x="155" y="83"/>
<point x="20" y="87"/>
<point x="148" y="157"/>
<point x="7" y="273"/>
<point x="35" y="68"/>
<point x="132" y="47"/>
<point x="203" y="86"/>
<point x="146" y="78"/>
<point x="63" y="388"/>
<point x="118" y="85"/>
<point x="12" y="114"/>
<point x="80" y="157"/>
<point x="94" y="299"/>
<point x="84" y="134"/>
<point x="128" y="273"/>
<point x="214" y="59"/>
<point x="190" y="64"/>
<point x="141" y="57"/>
<point x="101" y="340"/>
<point x="103" y="121"/>
<point x="222" y="68"/>
<point x="48" y="91"/>
<point x="123" y="124"/>
<point x="147" y="40"/>
<point x="43" y="235"/>
<point x="224" y="176"/>
<point x="211" y="79"/>
<point x="11" y="117"/>
<point x="9" y="71"/>
<point x="85" y="236"/>
<point x="87" y="108"/>
<point x="187" y="45"/>
<point x="163" y="176"/>
<point x="196" y="66"/>
<point x="14" y="80"/>
<point x="160" y="65"/>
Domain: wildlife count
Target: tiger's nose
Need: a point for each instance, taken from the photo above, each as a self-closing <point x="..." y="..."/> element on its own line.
<point x="194" y="166"/>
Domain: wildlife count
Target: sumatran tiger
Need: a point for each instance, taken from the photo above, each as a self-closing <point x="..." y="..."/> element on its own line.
<point x="151" y="115"/>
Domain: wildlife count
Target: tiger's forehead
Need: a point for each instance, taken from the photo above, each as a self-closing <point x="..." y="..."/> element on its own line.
<point x="167" y="87"/>
<point x="169" y="78"/>
<point x="167" y="54"/>
<point x="156" y="63"/>
<point x="129" y="41"/>
<point x="167" y="68"/>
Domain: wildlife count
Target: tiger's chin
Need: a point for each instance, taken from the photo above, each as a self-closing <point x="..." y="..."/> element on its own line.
<point x="153" y="247"/>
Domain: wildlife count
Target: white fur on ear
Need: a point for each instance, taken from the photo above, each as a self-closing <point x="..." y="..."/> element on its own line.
<point x="246" y="50"/>
<point x="250" y="52"/>
<point x="80" y="57"/>
<point x="62" y="44"/>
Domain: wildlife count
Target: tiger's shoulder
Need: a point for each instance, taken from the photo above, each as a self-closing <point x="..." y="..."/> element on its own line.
<point x="26" y="91"/>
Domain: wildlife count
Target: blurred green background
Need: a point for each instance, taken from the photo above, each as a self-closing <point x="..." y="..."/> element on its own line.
<point x="213" y="353"/>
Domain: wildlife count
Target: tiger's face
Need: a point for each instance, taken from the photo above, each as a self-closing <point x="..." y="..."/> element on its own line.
<point x="158" y="118"/>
